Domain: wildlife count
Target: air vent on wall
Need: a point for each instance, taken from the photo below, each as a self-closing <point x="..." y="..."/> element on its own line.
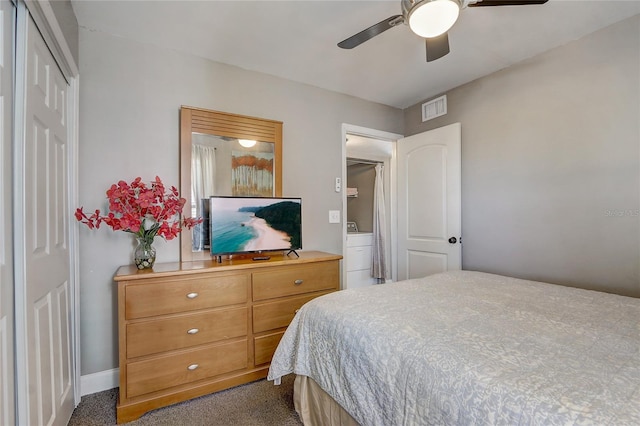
<point x="434" y="108"/>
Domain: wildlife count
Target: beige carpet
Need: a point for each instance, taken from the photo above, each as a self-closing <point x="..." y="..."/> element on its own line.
<point x="257" y="403"/>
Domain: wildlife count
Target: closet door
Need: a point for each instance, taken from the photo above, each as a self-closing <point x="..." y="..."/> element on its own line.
<point x="45" y="281"/>
<point x="7" y="18"/>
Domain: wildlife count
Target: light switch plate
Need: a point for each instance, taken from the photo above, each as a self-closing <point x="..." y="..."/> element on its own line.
<point x="334" y="216"/>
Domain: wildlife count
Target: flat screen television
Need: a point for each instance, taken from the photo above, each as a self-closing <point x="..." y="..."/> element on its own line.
<point x="254" y="224"/>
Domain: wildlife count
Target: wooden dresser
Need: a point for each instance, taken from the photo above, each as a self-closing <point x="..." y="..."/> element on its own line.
<point x="189" y="329"/>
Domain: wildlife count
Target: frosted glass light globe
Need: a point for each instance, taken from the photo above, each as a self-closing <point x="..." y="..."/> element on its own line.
<point x="433" y="18"/>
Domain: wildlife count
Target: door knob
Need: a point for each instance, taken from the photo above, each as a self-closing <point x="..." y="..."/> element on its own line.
<point x="453" y="240"/>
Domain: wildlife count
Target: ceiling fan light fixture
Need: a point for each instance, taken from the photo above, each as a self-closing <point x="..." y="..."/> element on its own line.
<point x="247" y="143"/>
<point x="431" y="18"/>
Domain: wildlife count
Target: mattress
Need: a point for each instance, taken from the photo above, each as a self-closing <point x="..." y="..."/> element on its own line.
<point x="465" y="347"/>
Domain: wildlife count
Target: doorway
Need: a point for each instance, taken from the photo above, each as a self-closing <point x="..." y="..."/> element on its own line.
<point x="423" y="178"/>
<point x="363" y="150"/>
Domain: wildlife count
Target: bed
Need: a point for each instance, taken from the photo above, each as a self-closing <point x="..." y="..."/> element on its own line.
<point x="463" y="348"/>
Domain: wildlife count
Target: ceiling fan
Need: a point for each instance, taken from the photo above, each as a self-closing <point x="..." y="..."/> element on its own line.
<point x="430" y="19"/>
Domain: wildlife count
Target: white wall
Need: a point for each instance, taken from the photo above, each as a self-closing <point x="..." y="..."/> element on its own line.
<point x="551" y="164"/>
<point x="130" y="97"/>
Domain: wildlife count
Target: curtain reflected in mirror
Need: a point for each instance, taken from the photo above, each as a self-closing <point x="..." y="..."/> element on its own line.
<point x="203" y="165"/>
<point x="223" y="166"/>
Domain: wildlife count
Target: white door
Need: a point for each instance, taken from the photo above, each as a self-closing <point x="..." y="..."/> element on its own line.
<point x="47" y="397"/>
<point x="429" y="202"/>
<point x="7" y="412"/>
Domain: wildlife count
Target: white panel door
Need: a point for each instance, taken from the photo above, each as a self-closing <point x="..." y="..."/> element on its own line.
<point x="46" y="219"/>
<point x="429" y="203"/>
<point x="7" y="19"/>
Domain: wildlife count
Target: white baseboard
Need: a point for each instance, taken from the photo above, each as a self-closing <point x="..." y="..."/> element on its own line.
<point x="100" y="381"/>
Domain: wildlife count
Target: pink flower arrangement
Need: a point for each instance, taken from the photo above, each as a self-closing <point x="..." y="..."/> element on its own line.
<point x="145" y="211"/>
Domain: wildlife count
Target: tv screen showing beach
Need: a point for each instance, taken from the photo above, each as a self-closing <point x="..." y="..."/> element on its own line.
<point x="243" y="224"/>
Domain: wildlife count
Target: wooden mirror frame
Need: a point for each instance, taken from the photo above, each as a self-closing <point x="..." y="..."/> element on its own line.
<point x="218" y="123"/>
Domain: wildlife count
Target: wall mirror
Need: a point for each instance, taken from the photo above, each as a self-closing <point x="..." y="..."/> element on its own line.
<point x="224" y="154"/>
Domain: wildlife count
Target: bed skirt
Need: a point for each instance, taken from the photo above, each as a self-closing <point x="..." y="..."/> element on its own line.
<point x="315" y="407"/>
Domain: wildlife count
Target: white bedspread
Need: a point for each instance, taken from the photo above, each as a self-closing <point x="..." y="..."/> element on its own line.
<point x="468" y="348"/>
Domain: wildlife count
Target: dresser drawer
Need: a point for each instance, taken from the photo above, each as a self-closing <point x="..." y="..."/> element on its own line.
<point x="189" y="293"/>
<point x="265" y="346"/>
<point x="168" y="371"/>
<point x="277" y="314"/>
<point x="159" y="335"/>
<point x="295" y="280"/>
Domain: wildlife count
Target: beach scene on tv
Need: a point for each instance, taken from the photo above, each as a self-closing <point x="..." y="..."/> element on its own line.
<point x="240" y="224"/>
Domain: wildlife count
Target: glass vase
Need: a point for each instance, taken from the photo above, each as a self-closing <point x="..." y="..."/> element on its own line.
<point x="145" y="255"/>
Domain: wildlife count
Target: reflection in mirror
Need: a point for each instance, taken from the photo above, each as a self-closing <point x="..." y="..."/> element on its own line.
<point x="222" y="165"/>
<point x="219" y="155"/>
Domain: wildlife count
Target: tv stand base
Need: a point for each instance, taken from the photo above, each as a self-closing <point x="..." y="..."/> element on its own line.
<point x="261" y="258"/>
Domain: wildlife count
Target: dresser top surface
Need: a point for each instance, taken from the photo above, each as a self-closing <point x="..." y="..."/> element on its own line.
<point x="130" y="272"/>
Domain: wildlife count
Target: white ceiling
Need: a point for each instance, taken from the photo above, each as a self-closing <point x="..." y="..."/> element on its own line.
<point x="297" y="39"/>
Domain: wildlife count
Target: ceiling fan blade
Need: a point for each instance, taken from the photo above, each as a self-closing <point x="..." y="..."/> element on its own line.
<point x="371" y="32"/>
<point x="437" y="47"/>
<point x="507" y="3"/>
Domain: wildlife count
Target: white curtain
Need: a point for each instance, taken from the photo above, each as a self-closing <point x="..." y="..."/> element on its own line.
<point x="379" y="262"/>
<point x="203" y="171"/>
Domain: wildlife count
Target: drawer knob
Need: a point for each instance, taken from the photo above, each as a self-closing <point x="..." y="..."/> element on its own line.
<point x="192" y="367"/>
<point x="193" y="331"/>
<point x="298" y="282"/>
<point x="192" y="295"/>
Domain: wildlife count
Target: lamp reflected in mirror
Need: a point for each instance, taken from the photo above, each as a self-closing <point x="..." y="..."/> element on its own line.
<point x="247" y="143"/>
